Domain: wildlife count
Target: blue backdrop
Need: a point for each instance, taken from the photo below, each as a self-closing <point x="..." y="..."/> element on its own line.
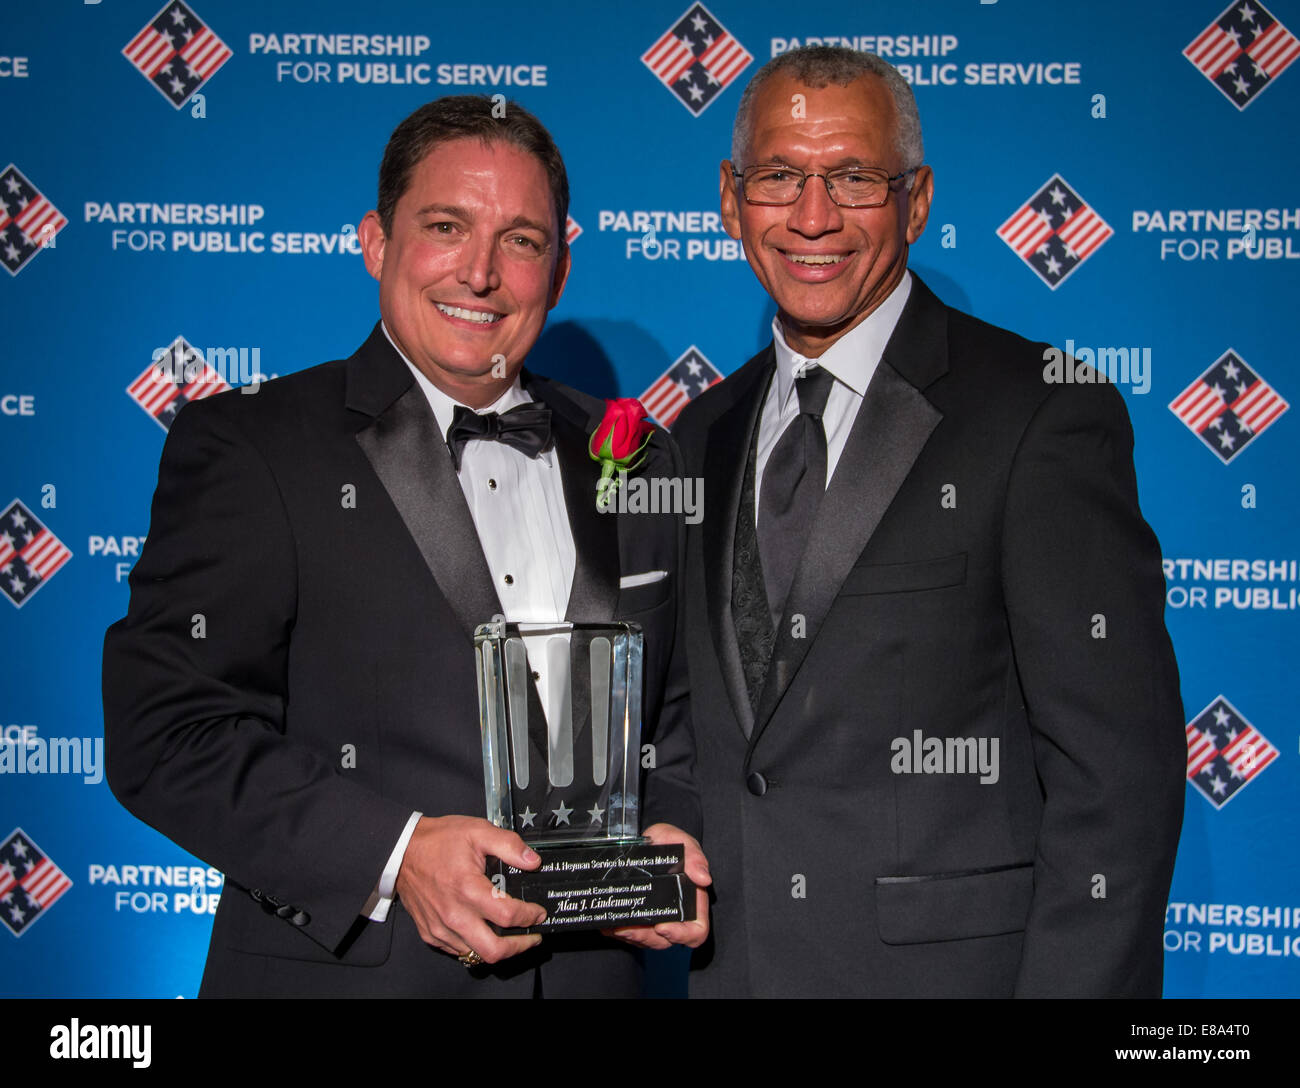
<point x="219" y="205"/>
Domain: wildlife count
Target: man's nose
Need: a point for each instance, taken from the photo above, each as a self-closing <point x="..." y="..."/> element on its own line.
<point x="815" y="212"/>
<point x="478" y="270"/>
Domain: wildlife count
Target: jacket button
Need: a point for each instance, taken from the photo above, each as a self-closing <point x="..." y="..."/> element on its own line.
<point x="284" y="911"/>
<point x="757" y="784"/>
<point x="256" y="893"/>
<point x="300" y="919"/>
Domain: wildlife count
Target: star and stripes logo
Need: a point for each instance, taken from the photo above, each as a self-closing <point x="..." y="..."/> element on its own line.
<point x="30" y="554"/>
<point x="1228" y="406"/>
<point x="1224" y="752"/>
<point x="177" y="52"/>
<point x="677" y="386"/>
<point x="28" y="222"/>
<point x="30" y="883"/>
<point x="696" y="59"/>
<point x="1243" y="51"/>
<point x="1054" y="232"/>
<point x="173" y="380"/>
<point x="572" y="228"/>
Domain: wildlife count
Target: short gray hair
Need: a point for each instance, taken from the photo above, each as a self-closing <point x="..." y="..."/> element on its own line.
<point x="818" y="66"/>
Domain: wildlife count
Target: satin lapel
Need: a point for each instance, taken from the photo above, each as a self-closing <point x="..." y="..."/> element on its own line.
<point x="724" y="471"/>
<point x="893" y="425"/>
<point x="593" y="596"/>
<point x="409" y="456"/>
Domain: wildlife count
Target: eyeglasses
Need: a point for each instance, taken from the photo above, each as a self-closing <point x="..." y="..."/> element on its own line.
<point x="850" y="186"/>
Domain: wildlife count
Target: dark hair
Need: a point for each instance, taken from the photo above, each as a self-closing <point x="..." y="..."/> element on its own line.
<point x="457" y="117"/>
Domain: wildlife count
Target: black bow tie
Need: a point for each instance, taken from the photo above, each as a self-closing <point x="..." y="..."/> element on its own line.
<point x="526" y="428"/>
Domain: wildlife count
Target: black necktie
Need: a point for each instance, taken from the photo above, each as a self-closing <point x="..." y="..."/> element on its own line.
<point x="793" y="483"/>
<point x="526" y="428"/>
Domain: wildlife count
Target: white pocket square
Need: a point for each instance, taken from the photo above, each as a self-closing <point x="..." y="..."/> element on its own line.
<point x="630" y="580"/>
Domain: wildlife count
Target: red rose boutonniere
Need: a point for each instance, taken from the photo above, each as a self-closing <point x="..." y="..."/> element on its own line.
<point x="619" y="444"/>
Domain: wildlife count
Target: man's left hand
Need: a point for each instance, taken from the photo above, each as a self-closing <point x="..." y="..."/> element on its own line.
<point x="666" y="934"/>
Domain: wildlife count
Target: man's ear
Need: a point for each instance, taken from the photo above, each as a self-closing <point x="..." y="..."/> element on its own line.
<point x="728" y="199"/>
<point x="373" y="241"/>
<point x="918" y="204"/>
<point x="562" y="266"/>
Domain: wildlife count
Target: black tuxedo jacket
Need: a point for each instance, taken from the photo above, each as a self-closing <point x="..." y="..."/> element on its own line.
<point x="980" y="529"/>
<point x="295" y="674"/>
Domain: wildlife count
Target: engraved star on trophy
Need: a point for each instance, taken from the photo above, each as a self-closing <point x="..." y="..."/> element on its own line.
<point x="560" y="714"/>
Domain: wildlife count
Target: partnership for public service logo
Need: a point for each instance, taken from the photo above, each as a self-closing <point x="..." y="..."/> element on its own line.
<point x="28" y="222"/>
<point x="177" y="52"/>
<point x="177" y="376"/>
<point x="1243" y="51"/>
<point x="1224" y="752"/>
<point x="1228" y="406"/>
<point x="696" y="59"/>
<point x="1055" y="231"/>
<point x="30" y="882"/>
<point x="30" y="554"/>
<point x="677" y="386"/>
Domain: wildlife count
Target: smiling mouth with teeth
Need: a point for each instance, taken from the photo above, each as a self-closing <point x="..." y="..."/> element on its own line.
<point x="479" y="317"/>
<point x="815" y="258"/>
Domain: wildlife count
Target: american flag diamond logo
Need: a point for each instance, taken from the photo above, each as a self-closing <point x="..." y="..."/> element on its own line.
<point x="177" y="52"/>
<point x="28" y="222"/>
<point x="1224" y="752"/>
<point x="29" y="554"/>
<point x="1243" y="51"/>
<point x="696" y="59"/>
<point x="1228" y="406"/>
<point x="30" y="883"/>
<point x="677" y="386"/>
<point x="572" y="228"/>
<point x="173" y="380"/>
<point x="1055" y="232"/>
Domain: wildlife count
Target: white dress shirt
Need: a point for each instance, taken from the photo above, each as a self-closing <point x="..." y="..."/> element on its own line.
<point x="852" y="361"/>
<point x="517" y="503"/>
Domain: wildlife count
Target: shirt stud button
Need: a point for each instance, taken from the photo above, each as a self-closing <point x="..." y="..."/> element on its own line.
<point x="509" y="579"/>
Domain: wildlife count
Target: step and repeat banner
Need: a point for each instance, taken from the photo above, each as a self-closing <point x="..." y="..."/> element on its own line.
<point x="184" y="184"/>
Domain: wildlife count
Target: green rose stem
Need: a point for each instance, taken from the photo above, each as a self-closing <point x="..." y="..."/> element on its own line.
<point x="606" y="486"/>
<point x="609" y="464"/>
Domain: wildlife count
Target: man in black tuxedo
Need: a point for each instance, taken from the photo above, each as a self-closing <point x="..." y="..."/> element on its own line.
<point x="292" y="693"/>
<point x="939" y="733"/>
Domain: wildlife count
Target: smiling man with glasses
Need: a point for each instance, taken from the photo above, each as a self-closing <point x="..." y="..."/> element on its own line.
<point x="939" y="739"/>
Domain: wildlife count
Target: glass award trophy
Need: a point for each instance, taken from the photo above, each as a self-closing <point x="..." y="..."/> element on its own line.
<point x="560" y="713"/>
